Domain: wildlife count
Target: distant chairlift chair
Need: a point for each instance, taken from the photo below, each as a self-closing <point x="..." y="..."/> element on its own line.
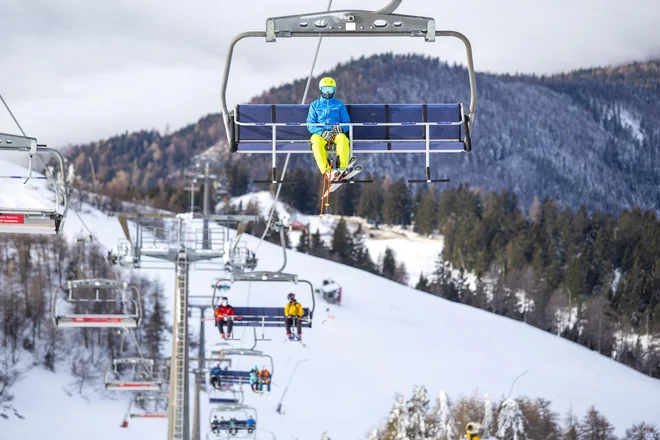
<point x="121" y="296"/>
<point x="141" y="375"/>
<point x="34" y="221"/>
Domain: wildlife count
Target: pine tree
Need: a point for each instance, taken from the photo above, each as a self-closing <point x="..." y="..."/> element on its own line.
<point x="425" y="215"/>
<point x="510" y="421"/>
<point x="423" y="284"/>
<point x="398" y="421"/>
<point x="360" y="257"/>
<point x="396" y="205"/>
<point x="595" y="426"/>
<point x="388" y="269"/>
<point x="446" y="423"/>
<point x="304" y="246"/>
<point x="342" y="243"/>
<point x="570" y="433"/>
<point x="317" y="247"/>
<point x="418" y="405"/>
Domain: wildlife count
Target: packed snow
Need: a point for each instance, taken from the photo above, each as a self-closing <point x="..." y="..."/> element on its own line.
<point x="382" y="340"/>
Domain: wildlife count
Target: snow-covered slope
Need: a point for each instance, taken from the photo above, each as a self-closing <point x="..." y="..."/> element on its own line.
<point x="384" y="338"/>
<point x="417" y="252"/>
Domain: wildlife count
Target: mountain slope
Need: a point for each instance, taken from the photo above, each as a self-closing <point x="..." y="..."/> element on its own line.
<point x="382" y="340"/>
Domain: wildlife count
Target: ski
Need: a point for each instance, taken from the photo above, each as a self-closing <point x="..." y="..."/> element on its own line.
<point x="295" y="340"/>
<point x="336" y="184"/>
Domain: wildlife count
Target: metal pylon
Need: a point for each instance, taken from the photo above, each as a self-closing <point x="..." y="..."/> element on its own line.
<point x="178" y="410"/>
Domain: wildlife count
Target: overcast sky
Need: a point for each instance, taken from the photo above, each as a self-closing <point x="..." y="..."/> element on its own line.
<point x="79" y="70"/>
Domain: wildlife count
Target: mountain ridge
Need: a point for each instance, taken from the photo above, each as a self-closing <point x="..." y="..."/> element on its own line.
<point x="588" y="137"/>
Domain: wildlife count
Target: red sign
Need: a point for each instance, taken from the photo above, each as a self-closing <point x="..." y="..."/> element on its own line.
<point x="12" y="219"/>
<point x="133" y="385"/>
<point x="97" y="320"/>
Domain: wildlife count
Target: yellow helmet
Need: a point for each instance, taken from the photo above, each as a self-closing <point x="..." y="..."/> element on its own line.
<point x="327" y="86"/>
<point x="327" y="82"/>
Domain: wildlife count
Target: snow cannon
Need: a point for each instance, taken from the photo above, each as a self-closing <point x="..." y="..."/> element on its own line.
<point x="473" y="431"/>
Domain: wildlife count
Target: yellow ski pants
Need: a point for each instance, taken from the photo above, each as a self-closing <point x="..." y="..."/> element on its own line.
<point x="321" y="155"/>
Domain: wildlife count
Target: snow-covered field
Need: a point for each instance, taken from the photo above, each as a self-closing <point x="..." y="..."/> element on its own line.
<point x="382" y="340"/>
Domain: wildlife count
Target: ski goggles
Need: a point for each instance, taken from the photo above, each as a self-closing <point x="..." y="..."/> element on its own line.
<point x="328" y="90"/>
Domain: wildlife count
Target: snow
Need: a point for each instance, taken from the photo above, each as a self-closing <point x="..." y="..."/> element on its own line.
<point x="633" y="123"/>
<point x="384" y="339"/>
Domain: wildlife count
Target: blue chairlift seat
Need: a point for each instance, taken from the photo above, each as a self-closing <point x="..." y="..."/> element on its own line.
<point x="266" y="317"/>
<point x="375" y="128"/>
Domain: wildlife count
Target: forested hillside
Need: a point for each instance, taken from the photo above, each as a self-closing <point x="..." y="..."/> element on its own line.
<point x="587" y="138"/>
<point x="31" y="268"/>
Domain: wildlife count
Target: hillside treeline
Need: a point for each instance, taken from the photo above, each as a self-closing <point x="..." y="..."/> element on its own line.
<point x="31" y="268"/>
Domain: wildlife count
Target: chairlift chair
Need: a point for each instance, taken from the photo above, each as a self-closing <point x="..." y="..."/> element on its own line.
<point x="265" y="316"/>
<point x="240" y="377"/>
<point x="142" y="375"/>
<point x="155" y="406"/>
<point x="122" y="295"/>
<point x="375" y="128"/>
<point x="34" y="220"/>
<point x="241" y="424"/>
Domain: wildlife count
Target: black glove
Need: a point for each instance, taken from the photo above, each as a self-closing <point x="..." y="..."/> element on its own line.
<point x="336" y="130"/>
<point x="327" y="135"/>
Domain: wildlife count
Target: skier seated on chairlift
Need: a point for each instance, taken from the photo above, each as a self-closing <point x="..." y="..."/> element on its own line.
<point x="254" y="379"/>
<point x="224" y="314"/>
<point x="216" y="373"/>
<point x="293" y="312"/>
<point x="329" y="110"/>
<point x="216" y="424"/>
<point x="251" y="424"/>
<point x="233" y="429"/>
<point x="263" y="377"/>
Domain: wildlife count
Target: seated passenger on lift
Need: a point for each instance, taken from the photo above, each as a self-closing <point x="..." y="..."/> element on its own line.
<point x="216" y="425"/>
<point x="224" y="314"/>
<point x="264" y="378"/>
<point x="293" y="312"/>
<point x="251" y="425"/>
<point x="329" y="110"/>
<point x="216" y="372"/>
<point x="254" y="378"/>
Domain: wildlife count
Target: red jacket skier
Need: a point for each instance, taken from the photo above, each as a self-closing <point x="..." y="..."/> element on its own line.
<point x="224" y="313"/>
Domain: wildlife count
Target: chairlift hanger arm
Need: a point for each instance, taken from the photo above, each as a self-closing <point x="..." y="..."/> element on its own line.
<point x="272" y="33"/>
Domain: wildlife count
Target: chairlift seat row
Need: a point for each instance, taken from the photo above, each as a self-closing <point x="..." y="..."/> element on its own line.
<point x="374" y="128"/>
<point x="266" y="317"/>
<point x="228" y="400"/>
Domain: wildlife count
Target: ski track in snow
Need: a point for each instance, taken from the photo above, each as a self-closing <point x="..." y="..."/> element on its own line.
<point x="382" y="340"/>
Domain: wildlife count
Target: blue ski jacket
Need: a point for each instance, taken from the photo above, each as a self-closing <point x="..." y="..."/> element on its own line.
<point x="327" y="111"/>
<point x="216" y="371"/>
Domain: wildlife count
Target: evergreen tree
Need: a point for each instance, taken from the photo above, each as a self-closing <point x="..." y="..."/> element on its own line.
<point x="304" y="245"/>
<point x="342" y="243"/>
<point x="360" y="257"/>
<point x="425" y="215"/>
<point x="388" y="269"/>
<point x="317" y="247"/>
<point x="446" y="423"/>
<point x="371" y="200"/>
<point x="396" y="205"/>
<point x="510" y="421"/>
<point x="595" y="426"/>
<point x="423" y="284"/>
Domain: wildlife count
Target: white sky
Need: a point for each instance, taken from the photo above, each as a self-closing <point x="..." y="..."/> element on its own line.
<point x="77" y="70"/>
